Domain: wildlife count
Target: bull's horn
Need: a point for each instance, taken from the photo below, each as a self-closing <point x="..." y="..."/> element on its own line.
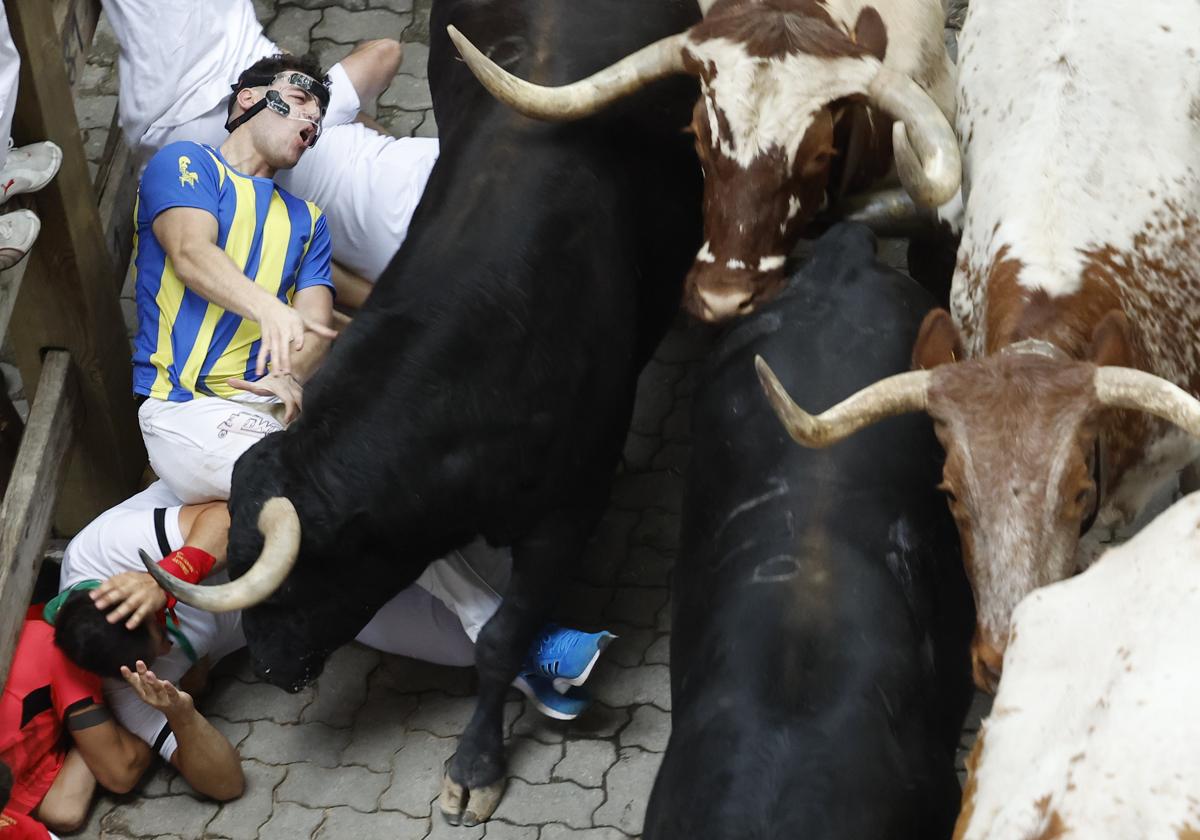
<point x="280" y="528"/>
<point x="1120" y="387"/>
<point x="578" y="99"/>
<point x="899" y="394"/>
<point x="927" y="157"/>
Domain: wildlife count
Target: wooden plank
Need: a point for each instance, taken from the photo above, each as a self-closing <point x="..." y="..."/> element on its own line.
<point x="11" y="428"/>
<point x="29" y="503"/>
<point x="116" y="184"/>
<point x="75" y="22"/>
<point x="66" y="300"/>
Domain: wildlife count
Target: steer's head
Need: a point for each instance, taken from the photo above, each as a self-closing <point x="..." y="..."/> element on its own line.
<point x="777" y="76"/>
<point x="1020" y="432"/>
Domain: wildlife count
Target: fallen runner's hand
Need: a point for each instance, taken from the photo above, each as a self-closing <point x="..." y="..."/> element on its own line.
<point x="133" y="594"/>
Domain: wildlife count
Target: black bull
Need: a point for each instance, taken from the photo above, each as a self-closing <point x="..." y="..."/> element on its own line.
<point x="819" y="665"/>
<point x="487" y="385"/>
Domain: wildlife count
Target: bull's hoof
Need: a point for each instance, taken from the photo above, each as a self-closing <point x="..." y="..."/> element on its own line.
<point x="467" y="804"/>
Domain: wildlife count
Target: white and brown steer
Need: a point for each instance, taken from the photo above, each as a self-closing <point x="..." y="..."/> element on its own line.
<point x="1081" y="177"/>
<point x="1094" y="732"/>
<point x="797" y="104"/>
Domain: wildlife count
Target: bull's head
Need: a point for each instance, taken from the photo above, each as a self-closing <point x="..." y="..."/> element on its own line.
<point x="1019" y="430"/>
<point x="776" y="77"/>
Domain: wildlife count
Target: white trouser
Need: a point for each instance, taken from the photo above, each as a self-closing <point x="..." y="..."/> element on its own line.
<point x="193" y="446"/>
<point x="10" y="66"/>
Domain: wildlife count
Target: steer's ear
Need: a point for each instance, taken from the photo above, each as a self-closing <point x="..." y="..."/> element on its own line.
<point x="1110" y="340"/>
<point x="870" y="33"/>
<point x="938" y="342"/>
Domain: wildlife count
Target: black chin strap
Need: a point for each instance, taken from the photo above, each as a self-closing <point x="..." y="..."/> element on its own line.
<point x="247" y="114"/>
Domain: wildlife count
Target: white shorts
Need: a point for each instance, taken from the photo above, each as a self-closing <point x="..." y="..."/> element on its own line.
<point x="193" y="445"/>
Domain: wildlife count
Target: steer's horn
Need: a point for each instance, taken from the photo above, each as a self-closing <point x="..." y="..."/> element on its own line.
<point x="280" y="528"/>
<point x="927" y="157"/>
<point x="899" y="394"/>
<point x="578" y="99"/>
<point x="1120" y="387"/>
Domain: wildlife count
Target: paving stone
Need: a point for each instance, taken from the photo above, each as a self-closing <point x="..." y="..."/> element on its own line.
<point x="97" y="79"/>
<point x="418" y="30"/>
<point x="400" y="123"/>
<point x="157" y="780"/>
<point x="428" y="126"/>
<point x="650" y="729"/>
<point x="616" y="686"/>
<point x="408" y="93"/>
<point x="526" y="804"/>
<point x="181" y="815"/>
<point x="640" y="491"/>
<point x="440" y="715"/>
<point x="628" y="784"/>
<point x="379" y="729"/>
<point x="647" y="567"/>
<point x="417" y="773"/>
<point x="664" y="619"/>
<point x="242" y="818"/>
<point x="291" y="822"/>
<point x="640" y="451"/>
<point x="273" y="743"/>
<point x="342" y="687"/>
<point x="533" y="724"/>
<point x="415" y="61"/>
<point x="238" y="701"/>
<point x="629" y="649"/>
<point x="329" y="53"/>
<point x="315" y="787"/>
<point x="638" y="606"/>
<point x="532" y="760"/>
<point x="585" y="762"/>
<point x="95" y="111"/>
<point x="599" y="721"/>
<point x="102" y="806"/>
<point x="673" y="457"/>
<point x="558" y="831"/>
<point x="264" y="10"/>
<point x="412" y="676"/>
<point x="292" y="28"/>
<point x="654" y="397"/>
<point x="658" y="529"/>
<point x="498" y="830"/>
<point x="659" y="653"/>
<point x="442" y="830"/>
<point x="348" y="27"/>
<point x="353" y="5"/>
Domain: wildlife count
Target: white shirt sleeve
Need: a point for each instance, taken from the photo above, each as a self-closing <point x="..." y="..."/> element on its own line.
<point x="343" y="98"/>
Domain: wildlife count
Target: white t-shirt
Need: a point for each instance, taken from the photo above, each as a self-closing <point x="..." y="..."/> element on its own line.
<point x="109" y="546"/>
<point x="368" y="184"/>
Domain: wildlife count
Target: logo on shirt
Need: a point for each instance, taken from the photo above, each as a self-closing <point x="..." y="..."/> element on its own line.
<point x="186" y="178"/>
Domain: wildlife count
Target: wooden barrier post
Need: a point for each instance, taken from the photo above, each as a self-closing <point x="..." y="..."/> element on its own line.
<point x="67" y="299"/>
<point x="32" y="493"/>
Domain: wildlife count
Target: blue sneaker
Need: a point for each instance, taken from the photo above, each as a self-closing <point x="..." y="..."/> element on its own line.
<point x="566" y="656"/>
<point x="549" y="701"/>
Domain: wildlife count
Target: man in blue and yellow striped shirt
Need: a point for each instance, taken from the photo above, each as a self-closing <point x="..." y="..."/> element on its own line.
<point x="233" y="282"/>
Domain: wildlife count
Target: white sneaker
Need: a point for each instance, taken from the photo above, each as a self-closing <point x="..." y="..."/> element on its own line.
<point x="18" y="230"/>
<point x="29" y="168"/>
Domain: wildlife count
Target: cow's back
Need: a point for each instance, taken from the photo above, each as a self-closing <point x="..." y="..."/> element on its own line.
<point x="1093" y="731"/>
<point x="820" y="616"/>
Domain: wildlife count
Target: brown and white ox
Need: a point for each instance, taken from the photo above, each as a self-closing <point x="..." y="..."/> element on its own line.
<point x="797" y="106"/>
<point x="1076" y="294"/>
<point x="1094" y="733"/>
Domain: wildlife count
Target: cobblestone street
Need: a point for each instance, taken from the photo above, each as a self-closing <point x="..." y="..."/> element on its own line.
<point x="359" y="754"/>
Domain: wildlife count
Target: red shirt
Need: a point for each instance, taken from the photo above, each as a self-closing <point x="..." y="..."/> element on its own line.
<point x="14" y="826"/>
<point x="43" y="688"/>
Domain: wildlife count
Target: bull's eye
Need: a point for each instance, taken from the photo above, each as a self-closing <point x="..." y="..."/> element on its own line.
<point x="949" y="493"/>
<point x="1083" y="496"/>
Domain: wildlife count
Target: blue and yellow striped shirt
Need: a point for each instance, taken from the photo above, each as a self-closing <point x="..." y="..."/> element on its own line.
<point x="186" y="346"/>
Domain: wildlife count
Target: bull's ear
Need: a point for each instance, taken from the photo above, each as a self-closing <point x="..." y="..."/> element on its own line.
<point x="1110" y="340"/>
<point x="870" y="33"/>
<point x="938" y="342"/>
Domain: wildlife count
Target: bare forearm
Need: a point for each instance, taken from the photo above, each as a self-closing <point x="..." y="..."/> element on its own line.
<point x="209" y="272"/>
<point x="352" y="290"/>
<point x="205" y="757"/>
<point x="305" y="362"/>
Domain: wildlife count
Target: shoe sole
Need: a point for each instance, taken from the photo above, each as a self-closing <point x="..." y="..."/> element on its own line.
<point x="562" y="683"/>
<point x="526" y="689"/>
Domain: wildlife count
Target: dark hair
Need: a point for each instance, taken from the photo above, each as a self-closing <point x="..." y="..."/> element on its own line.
<point x="270" y="66"/>
<point x="83" y="633"/>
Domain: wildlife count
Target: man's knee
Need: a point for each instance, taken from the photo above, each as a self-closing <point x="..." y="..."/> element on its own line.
<point x="65" y="812"/>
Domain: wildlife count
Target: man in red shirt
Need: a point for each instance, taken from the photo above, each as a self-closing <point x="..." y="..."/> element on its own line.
<point x="13" y="824"/>
<point x="48" y="703"/>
